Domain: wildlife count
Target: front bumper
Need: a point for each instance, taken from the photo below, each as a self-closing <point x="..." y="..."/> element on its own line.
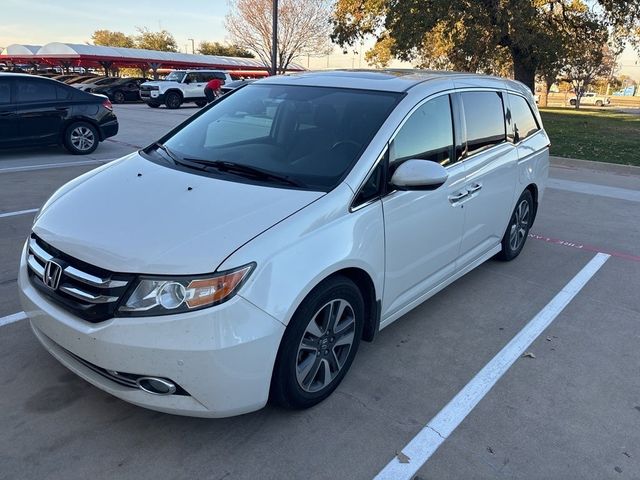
<point x="152" y="96"/>
<point x="222" y="357"/>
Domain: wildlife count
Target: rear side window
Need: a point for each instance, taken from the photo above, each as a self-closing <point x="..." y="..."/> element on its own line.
<point x="5" y="91"/>
<point x="524" y="122"/>
<point x="63" y="93"/>
<point x="36" y="91"/>
<point x="427" y="134"/>
<point x="484" y="117"/>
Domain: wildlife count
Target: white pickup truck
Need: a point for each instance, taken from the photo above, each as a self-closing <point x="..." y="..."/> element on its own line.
<point x="180" y="86"/>
<point x="591" y="98"/>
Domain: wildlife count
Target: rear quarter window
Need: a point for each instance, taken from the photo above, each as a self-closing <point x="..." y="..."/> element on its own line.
<point x="523" y="120"/>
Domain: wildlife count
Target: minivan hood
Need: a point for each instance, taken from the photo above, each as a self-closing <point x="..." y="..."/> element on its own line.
<point x="141" y="217"/>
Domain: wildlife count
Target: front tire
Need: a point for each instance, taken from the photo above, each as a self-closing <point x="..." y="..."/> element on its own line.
<point x="81" y="138"/>
<point x="173" y="100"/>
<point x="572" y="103"/>
<point x="518" y="230"/>
<point x="319" y="344"/>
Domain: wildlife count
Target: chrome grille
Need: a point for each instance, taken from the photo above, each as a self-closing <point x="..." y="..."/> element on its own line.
<point x="88" y="291"/>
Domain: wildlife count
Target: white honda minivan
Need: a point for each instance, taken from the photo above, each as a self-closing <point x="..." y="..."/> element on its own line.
<point x="245" y="255"/>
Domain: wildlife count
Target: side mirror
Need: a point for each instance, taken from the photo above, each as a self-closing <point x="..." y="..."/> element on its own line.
<point x="418" y="174"/>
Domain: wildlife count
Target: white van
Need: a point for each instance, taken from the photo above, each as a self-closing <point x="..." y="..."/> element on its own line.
<point x="246" y="254"/>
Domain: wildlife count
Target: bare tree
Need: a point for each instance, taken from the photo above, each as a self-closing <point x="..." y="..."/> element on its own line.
<point x="303" y="27"/>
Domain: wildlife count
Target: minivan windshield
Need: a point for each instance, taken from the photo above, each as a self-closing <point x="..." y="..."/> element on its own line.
<point x="310" y="136"/>
<point x="176" y="76"/>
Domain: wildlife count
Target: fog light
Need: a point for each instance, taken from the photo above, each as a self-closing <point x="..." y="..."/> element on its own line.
<point x="157" y="386"/>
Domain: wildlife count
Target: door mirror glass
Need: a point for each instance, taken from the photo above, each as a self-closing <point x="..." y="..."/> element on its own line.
<point x="416" y="174"/>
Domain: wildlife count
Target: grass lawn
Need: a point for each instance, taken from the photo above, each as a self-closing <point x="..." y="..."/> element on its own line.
<point x="593" y="134"/>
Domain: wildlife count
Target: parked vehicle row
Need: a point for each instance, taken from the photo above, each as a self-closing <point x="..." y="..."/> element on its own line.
<point x="41" y="111"/>
<point x="336" y="203"/>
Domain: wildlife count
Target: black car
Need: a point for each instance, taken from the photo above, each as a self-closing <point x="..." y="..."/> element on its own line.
<point x="122" y="90"/>
<point x="41" y="111"/>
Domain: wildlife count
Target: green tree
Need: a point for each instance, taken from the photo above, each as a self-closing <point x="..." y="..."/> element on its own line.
<point x="161" y="40"/>
<point x="480" y="31"/>
<point x="109" y="38"/>
<point x="216" y="48"/>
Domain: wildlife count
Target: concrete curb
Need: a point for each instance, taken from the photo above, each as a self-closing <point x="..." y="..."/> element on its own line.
<point x="595" y="166"/>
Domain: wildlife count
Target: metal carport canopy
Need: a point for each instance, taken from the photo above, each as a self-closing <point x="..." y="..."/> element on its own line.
<point x="79" y="55"/>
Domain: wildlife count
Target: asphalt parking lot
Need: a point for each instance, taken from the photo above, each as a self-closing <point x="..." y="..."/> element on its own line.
<point x="569" y="410"/>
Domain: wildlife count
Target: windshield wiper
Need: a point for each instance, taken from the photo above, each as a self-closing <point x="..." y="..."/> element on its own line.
<point x="243" y="170"/>
<point x="166" y="150"/>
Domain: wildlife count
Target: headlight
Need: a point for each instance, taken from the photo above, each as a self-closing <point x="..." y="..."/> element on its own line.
<point x="168" y="295"/>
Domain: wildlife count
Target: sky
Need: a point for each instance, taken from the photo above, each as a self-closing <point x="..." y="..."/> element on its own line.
<point x="37" y="22"/>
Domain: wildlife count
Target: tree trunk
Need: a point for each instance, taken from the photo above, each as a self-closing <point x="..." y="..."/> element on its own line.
<point x="524" y="69"/>
<point x="543" y="101"/>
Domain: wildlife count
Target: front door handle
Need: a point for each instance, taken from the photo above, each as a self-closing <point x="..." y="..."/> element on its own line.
<point x="458" y="197"/>
<point x="476" y="187"/>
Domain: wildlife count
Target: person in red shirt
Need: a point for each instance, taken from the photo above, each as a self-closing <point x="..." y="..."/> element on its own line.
<point x="212" y="90"/>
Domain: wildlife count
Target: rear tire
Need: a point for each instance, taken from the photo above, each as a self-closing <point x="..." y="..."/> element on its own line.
<point x="173" y="100"/>
<point x="118" y="97"/>
<point x="81" y="138"/>
<point x="599" y="103"/>
<point x="319" y="344"/>
<point x="518" y="230"/>
<point x="572" y="103"/>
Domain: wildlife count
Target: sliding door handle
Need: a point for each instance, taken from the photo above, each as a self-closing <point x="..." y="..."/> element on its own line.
<point x="458" y="196"/>
<point x="476" y="187"/>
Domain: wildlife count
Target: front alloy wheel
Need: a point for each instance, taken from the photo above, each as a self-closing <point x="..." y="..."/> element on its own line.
<point x="325" y="345"/>
<point x="319" y="344"/>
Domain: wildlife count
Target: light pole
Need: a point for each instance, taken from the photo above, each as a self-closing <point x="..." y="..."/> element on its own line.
<point x="193" y="47"/>
<point x="274" y="40"/>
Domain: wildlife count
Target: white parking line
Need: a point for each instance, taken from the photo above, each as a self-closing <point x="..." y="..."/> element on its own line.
<point x="44" y="166"/>
<point x="16" y="317"/>
<point x="427" y="441"/>
<point x="19" y="212"/>
<point x="594" y="189"/>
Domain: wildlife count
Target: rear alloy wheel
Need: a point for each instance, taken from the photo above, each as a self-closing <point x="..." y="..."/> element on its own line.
<point x="118" y="97"/>
<point x="81" y="138"/>
<point x="572" y="103"/>
<point x="173" y="100"/>
<point x="516" y="235"/>
<point x="319" y="345"/>
<point x="599" y="103"/>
